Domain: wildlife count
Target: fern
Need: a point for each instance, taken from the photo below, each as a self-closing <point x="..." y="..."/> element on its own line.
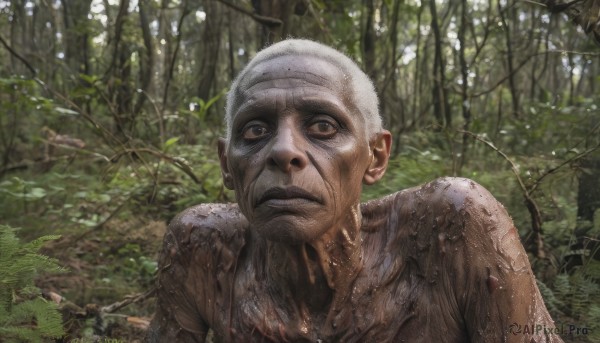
<point x="579" y="295"/>
<point x="594" y="319"/>
<point x="24" y="315"/>
<point x="553" y="303"/>
<point x="592" y="269"/>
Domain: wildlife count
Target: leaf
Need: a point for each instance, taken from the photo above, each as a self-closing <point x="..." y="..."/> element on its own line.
<point x="86" y="222"/>
<point x="88" y="78"/>
<point x="81" y="194"/>
<point x="65" y="111"/>
<point x="37" y="193"/>
<point x="170" y="142"/>
<point x="31" y="318"/>
<point x="215" y="98"/>
<point x="103" y="198"/>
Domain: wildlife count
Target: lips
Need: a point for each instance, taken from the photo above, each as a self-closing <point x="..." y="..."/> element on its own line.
<point x="281" y="195"/>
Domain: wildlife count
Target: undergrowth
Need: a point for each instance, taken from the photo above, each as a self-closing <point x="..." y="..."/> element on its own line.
<point x="25" y="316"/>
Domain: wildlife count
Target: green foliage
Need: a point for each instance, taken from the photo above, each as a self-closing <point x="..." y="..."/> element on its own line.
<point x="20" y="96"/>
<point x="417" y="162"/>
<point x="413" y="166"/>
<point x="201" y="107"/>
<point x="24" y="314"/>
<point x="150" y="140"/>
<point x="21" y="189"/>
<point x="577" y="295"/>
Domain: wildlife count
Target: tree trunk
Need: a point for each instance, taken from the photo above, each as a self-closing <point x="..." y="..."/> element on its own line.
<point x="368" y="39"/>
<point x="77" y="42"/>
<point x="209" y="51"/>
<point x="281" y="10"/>
<point x="588" y="196"/>
<point x="417" y="75"/>
<point x="146" y="56"/>
<point x="588" y="204"/>
<point x="512" y="86"/>
<point x="441" y="105"/>
<point x="464" y="71"/>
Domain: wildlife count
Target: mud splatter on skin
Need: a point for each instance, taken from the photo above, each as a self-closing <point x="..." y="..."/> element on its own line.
<point x="430" y="264"/>
<point x="438" y="263"/>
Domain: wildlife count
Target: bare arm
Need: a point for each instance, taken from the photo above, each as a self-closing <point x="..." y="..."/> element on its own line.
<point x="165" y="328"/>
<point x="196" y="274"/>
<point x="176" y="319"/>
<point x="495" y="290"/>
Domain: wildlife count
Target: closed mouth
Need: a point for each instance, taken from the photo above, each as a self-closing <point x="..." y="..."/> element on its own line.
<point x="287" y="193"/>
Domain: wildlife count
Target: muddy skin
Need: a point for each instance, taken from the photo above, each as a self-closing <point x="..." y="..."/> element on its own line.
<point x="299" y="259"/>
<point x="438" y="263"/>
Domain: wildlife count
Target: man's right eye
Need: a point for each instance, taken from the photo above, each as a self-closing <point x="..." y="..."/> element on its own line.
<point x="255" y="131"/>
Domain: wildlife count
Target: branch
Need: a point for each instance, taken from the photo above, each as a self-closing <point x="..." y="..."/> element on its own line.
<point x="506" y="77"/>
<point x="514" y="168"/>
<point x="175" y="161"/>
<point x="566" y="162"/>
<point x="517" y="68"/>
<point x="267" y="21"/>
<point x="19" y="57"/>
<point x="130" y="299"/>
<point x="534" y="211"/>
<point x="184" y="14"/>
<point x="101" y="224"/>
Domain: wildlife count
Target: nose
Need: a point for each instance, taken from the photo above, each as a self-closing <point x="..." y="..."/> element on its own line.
<point x="286" y="152"/>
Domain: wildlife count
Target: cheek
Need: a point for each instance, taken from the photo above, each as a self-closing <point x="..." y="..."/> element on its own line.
<point x="244" y="169"/>
<point x="352" y="161"/>
<point x="344" y="172"/>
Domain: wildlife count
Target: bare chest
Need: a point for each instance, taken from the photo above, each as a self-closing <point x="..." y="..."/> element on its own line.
<point x="388" y="302"/>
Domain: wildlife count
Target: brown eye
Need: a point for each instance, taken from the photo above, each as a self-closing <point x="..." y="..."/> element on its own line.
<point x="322" y="129"/>
<point x="255" y="131"/>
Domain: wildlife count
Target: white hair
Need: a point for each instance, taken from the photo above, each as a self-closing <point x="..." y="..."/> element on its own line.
<point x="362" y="90"/>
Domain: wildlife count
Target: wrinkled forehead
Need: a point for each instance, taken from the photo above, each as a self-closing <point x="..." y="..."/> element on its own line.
<point x="312" y="69"/>
<point x="289" y="71"/>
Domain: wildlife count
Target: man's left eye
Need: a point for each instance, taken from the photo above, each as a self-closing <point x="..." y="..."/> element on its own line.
<point x="255" y="131"/>
<point x="322" y="129"/>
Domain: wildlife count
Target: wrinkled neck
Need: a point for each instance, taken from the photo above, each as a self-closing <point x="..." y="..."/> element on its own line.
<point x="319" y="273"/>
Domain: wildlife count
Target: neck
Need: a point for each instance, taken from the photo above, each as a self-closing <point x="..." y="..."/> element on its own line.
<point x="319" y="273"/>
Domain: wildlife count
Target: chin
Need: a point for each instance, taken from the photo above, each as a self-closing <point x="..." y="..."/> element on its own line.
<point x="289" y="229"/>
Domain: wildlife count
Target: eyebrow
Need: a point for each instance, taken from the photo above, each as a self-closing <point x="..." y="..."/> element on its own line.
<point x="304" y="103"/>
<point x="314" y="104"/>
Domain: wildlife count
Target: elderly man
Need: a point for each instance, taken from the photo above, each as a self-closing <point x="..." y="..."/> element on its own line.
<point x="299" y="259"/>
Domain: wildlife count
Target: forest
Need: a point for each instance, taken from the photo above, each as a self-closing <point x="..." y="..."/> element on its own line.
<point x="110" y="111"/>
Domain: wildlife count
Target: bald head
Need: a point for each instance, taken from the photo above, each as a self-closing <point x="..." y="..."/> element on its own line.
<point x="357" y="84"/>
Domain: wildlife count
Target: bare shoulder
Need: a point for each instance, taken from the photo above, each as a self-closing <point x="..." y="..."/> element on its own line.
<point x="201" y="242"/>
<point x="444" y="215"/>
<point x="475" y="211"/>
<point x="206" y="234"/>
<point x="459" y="224"/>
<point x="452" y="193"/>
<point x="222" y="217"/>
<point x="456" y="191"/>
<point x="441" y="198"/>
<point x="448" y="203"/>
<point x="207" y="223"/>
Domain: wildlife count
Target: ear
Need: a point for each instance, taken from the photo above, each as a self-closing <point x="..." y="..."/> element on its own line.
<point x="380" y="155"/>
<point x="222" y="149"/>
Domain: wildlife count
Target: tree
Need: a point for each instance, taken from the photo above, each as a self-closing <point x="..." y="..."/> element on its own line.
<point x="504" y="92"/>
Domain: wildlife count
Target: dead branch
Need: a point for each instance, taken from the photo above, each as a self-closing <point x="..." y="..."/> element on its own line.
<point x="130" y="299"/>
<point x="181" y="165"/>
<point x="19" y="57"/>
<point x="532" y="207"/>
<point x="267" y="21"/>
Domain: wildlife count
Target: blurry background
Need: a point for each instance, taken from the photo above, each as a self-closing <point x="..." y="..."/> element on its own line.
<point x="110" y="111"/>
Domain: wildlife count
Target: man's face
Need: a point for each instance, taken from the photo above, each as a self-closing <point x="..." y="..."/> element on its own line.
<point x="298" y="149"/>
